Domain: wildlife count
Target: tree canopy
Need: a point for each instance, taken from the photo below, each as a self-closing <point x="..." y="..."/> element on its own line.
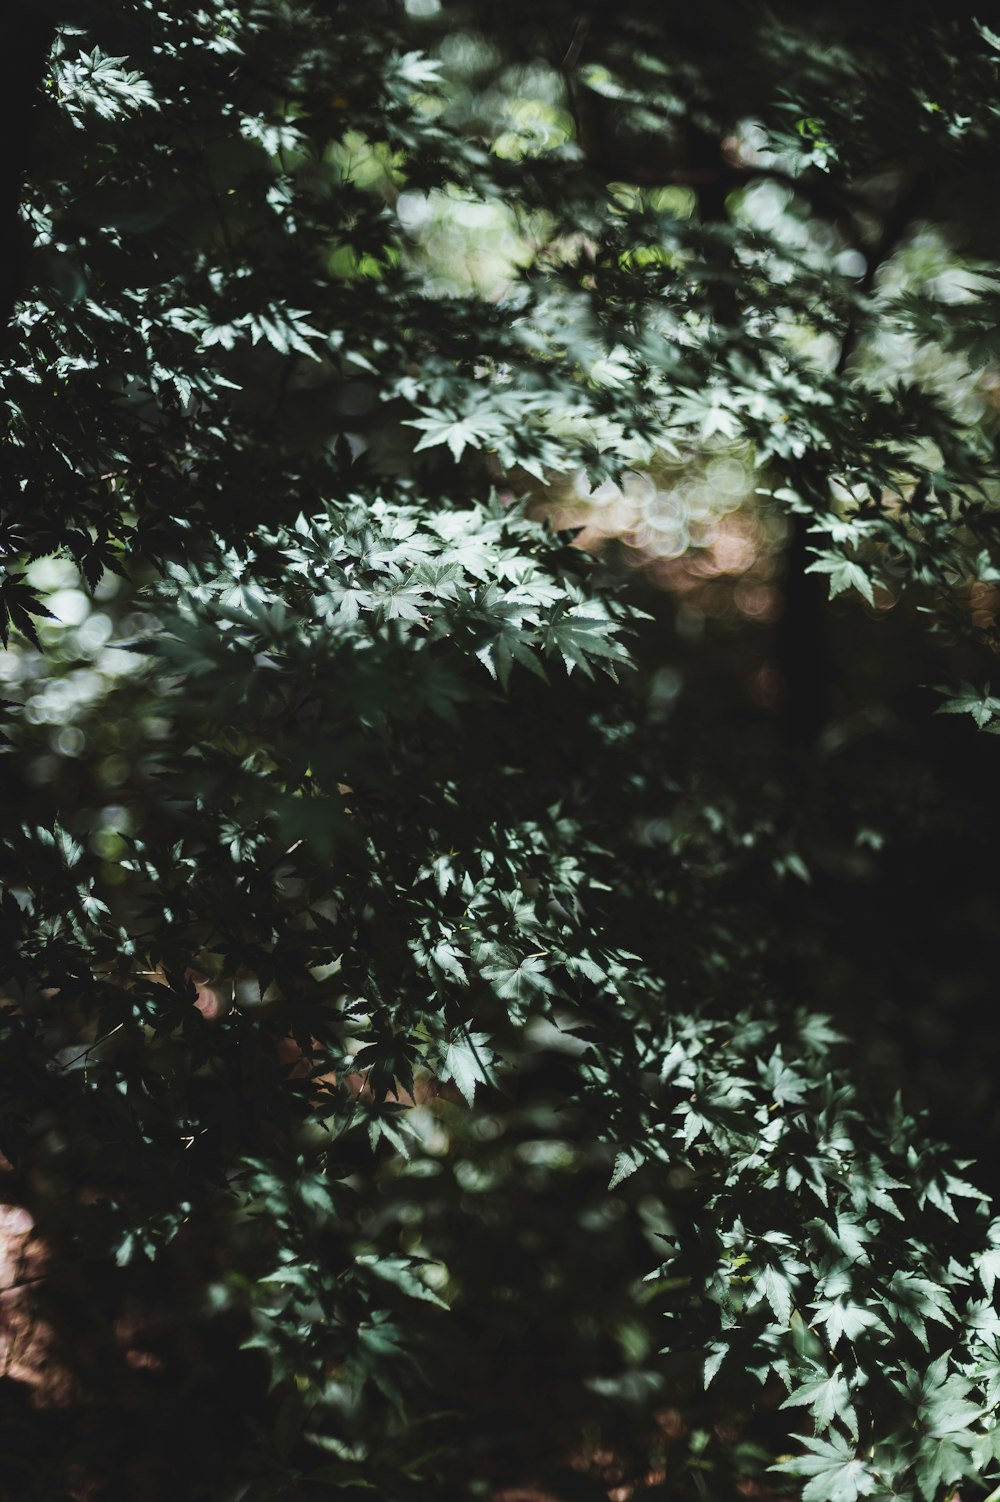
<point x="431" y="1061"/>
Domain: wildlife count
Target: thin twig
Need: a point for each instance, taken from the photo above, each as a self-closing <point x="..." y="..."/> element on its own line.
<point x="96" y="1044"/>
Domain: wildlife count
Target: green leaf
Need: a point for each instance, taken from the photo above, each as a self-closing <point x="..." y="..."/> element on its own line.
<point x="774" y="1285"/>
<point x="582" y="637"/>
<point x="626" y="1163"/>
<point x="983" y="707"/>
<point x="988" y="1267"/>
<point x="844" y="1320"/>
<point x="402" y="1273"/>
<point x="843" y="575"/>
<point x="469" y="1061"/>
<point x="828" y="1397"/>
<point x="472" y="430"/>
<point x="836" y="1473"/>
<point x="518" y="980"/>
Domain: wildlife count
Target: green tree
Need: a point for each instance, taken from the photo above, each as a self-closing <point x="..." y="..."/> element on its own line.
<point x="399" y="1066"/>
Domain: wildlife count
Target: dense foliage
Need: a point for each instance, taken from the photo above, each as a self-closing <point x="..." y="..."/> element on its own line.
<point x="414" y="1063"/>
